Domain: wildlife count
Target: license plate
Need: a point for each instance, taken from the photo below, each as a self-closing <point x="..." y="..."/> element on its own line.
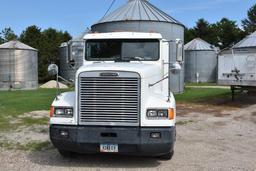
<point x="109" y="148"/>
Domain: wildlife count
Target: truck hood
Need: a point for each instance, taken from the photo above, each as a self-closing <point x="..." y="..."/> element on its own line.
<point x="144" y="69"/>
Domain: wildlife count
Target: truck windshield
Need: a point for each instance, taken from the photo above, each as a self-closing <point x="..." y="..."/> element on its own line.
<point x="122" y="50"/>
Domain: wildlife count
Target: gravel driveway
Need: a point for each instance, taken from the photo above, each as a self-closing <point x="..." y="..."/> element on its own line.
<point x="207" y="139"/>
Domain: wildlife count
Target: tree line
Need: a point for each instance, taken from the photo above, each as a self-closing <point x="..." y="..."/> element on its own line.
<point x="46" y="41"/>
<point x="223" y="33"/>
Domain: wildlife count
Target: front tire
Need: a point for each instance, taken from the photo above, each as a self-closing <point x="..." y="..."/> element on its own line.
<point x="167" y="156"/>
<point x="66" y="154"/>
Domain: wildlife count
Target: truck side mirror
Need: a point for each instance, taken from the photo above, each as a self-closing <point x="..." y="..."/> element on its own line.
<point x="175" y="68"/>
<point x="53" y="70"/>
<point x="179" y="51"/>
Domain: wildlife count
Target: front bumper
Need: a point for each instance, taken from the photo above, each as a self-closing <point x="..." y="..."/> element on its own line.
<point x="130" y="140"/>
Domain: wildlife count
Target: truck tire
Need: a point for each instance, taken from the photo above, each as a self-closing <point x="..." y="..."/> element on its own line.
<point x="167" y="156"/>
<point x="66" y="154"/>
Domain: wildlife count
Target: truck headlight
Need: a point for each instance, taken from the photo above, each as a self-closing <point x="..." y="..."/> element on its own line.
<point x="63" y="112"/>
<point x="160" y="113"/>
<point x="152" y="113"/>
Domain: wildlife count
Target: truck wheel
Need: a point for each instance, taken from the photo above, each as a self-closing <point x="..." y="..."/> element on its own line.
<point x="65" y="153"/>
<point x="167" y="156"/>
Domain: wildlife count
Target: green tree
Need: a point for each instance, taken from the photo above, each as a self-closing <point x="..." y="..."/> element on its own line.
<point x="249" y="24"/>
<point x="47" y="42"/>
<point x="1" y="40"/>
<point x="7" y="34"/>
<point x="222" y="33"/>
<point x="226" y="32"/>
<point x="202" y="29"/>
<point x="32" y="36"/>
<point x="189" y="34"/>
<point x="51" y="40"/>
<point x="65" y="36"/>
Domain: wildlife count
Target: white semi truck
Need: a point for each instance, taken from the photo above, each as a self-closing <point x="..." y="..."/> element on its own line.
<point x="122" y="101"/>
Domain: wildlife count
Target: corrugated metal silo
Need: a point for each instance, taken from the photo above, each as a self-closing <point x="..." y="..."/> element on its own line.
<point x="18" y="66"/>
<point x="65" y="70"/>
<point x="68" y="69"/>
<point x="200" y="61"/>
<point x="142" y="16"/>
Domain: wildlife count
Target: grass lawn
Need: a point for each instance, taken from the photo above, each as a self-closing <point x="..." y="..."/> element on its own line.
<point x="14" y="103"/>
<point x="201" y="84"/>
<point x="201" y="94"/>
<point x="18" y="102"/>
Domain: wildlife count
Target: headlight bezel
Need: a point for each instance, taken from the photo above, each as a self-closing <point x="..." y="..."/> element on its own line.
<point x="160" y="114"/>
<point x="63" y="112"/>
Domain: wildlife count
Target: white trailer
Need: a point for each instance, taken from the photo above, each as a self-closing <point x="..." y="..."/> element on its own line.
<point x="237" y="66"/>
<point x="122" y="101"/>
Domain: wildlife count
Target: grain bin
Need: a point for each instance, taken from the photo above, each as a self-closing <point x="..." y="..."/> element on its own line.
<point x="18" y="66"/>
<point x="68" y="67"/>
<point x="142" y="16"/>
<point x="200" y="62"/>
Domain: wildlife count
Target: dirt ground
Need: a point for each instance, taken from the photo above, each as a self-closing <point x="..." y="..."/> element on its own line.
<point x="217" y="136"/>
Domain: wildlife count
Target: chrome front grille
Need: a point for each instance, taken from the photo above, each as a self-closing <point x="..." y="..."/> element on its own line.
<point x="109" y="100"/>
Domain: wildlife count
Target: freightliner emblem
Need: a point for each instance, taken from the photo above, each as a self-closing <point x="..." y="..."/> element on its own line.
<point x="109" y="74"/>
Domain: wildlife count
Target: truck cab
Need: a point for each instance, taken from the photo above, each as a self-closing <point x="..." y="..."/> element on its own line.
<point x="122" y="101"/>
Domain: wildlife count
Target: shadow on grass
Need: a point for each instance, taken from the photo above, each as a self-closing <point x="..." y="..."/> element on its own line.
<point x="215" y="97"/>
<point x="212" y="101"/>
<point x="242" y="100"/>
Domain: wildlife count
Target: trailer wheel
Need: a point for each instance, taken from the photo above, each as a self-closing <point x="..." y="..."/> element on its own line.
<point x="167" y="156"/>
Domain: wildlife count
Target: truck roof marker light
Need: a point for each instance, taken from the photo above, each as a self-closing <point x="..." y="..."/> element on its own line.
<point x="51" y="111"/>
<point x="171" y="113"/>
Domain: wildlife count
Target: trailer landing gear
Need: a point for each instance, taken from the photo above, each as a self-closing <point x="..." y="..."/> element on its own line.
<point x="233" y="93"/>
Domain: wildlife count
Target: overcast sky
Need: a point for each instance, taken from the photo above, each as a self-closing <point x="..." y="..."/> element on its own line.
<point x="76" y="15"/>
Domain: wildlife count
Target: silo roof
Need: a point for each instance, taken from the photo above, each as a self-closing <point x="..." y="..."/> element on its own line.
<point x="198" y="44"/>
<point x="138" y="10"/>
<point x="247" y="42"/>
<point x="14" y="44"/>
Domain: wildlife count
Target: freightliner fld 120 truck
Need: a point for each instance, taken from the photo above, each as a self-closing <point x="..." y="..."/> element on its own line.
<point x="122" y="101"/>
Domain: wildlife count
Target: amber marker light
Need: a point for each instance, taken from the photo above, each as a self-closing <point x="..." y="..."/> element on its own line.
<point x="51" y="111"/>
<point x="171" y="113"/>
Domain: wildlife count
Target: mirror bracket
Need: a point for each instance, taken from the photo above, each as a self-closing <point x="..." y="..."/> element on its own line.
<point x="174" y="68"/>
<point x="53" y="70"/>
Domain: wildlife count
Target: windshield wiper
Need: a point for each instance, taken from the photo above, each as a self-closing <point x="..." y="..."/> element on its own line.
<point x="129" y="59"/>
<point x="136" y="58"/>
